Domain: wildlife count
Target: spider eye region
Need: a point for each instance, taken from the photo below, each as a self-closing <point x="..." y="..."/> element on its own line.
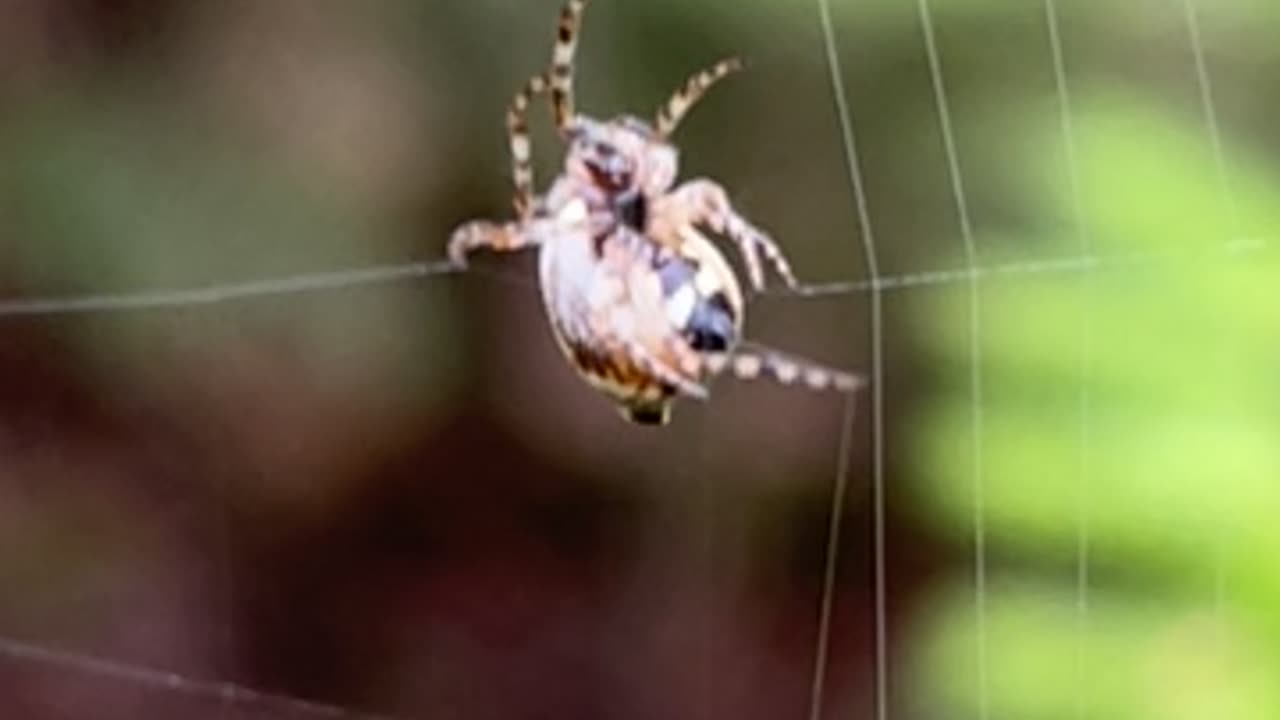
<point x="609" y="179"/>
<point x="610" y="169"/>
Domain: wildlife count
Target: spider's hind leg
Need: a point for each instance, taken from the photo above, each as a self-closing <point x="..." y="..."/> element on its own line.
<point x="682" y="379"/>
<point x="705" y="202"/>
<point x="751" y="361"/>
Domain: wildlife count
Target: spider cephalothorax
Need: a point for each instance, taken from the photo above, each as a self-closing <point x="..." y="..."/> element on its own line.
<point x="624" y="158"/>
<point x="641" y="302"/>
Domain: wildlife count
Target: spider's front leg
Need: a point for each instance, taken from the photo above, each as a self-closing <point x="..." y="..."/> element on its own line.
<point x="704" y="202"/>
<point x="482" y="234"/>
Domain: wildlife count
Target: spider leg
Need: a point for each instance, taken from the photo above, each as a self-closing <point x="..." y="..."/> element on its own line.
<point x="668" y="363"/>
<point x="705" y="202"/>
<point x="559" y="82"/>
<point x="652" y="365"/>
<point x="482" y="234"/>
<point x="562" y="65"/>
<point x="521" y="146"/>
<point x="751" y="361"/>
<point x="683" y="99"/>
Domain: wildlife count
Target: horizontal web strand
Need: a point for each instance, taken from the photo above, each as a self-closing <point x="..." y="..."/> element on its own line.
<point x="224" y="293"/>
<point x="387" y="274"/>
<point x="229" y="694"/>
<point x="1044" y="266"/>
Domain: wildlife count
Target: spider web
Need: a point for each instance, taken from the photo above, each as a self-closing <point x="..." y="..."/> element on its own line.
<point x="971" y="275"/>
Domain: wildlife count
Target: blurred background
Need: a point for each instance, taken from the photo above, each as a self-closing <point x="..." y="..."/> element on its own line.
<point x="398" y="500"/>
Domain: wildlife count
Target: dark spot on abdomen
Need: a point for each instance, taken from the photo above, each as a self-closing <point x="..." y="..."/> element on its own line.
<point x="632" y="210"/>
<point x="712" y="323"/>
<point x="711" y="326"/>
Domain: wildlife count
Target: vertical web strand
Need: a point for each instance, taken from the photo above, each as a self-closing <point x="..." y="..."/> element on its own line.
<point x="975" y="352"/>
<point x="1084" y="400"/>
<point x="822" y="645"/>
<point x="225" y="654"/>
<point x="857" y="187"/>
<point x="1208" y="106"/>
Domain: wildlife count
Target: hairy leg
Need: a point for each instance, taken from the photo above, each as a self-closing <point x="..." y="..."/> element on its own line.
<point x="752" y="362"/>
<point x="703" y="202"/>
<point x="558" y="80"/>
<point x="521" y="146"/>
<point x="664" y="372"/>
<point x="482" y="234"/>
<point x="562" y="63"/>
<point x="683" y="99"/>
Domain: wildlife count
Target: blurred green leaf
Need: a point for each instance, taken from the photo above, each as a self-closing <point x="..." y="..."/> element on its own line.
<point x="1170" y="347"/>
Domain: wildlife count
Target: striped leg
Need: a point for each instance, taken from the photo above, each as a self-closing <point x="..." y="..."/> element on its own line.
<point x="751" y="362"/>
<point x="559" y="82"/>
<point x="521" y="147"/>
<point x="682" y="100"/>
<point x="482" y="234"/>
<point x="660" y="370"/>
<point x="562" y="66"/>
<point x="703" y="202"/>
<point x="621" y="352"/>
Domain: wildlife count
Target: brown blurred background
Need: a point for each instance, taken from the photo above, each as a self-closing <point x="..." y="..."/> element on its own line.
<point x="398" y="499"/>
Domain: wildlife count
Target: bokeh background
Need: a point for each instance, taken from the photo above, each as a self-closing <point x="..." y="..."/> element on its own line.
<point x="397" y="500"/>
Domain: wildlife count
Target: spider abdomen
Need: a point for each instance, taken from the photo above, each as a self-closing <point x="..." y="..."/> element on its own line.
<point x="703" y="316"/>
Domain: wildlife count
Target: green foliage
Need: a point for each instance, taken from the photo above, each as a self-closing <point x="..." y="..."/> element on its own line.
<point x="1135" y="403"/>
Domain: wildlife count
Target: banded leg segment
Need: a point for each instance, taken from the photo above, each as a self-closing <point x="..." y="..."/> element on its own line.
<point x="558" y="80"/>
<point x="482" y="234"/>
<point x="625" y="354"/>
<point x="562" y="63"/>
<point x="703" y="202"/>
<point x="664" y="372"/>
<point x="683" y="100"/>
<point x="521" y="146"/>
<point x="752" y="362"/>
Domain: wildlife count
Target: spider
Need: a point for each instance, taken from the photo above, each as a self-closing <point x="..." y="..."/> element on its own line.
<point x="641" y="302"/>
